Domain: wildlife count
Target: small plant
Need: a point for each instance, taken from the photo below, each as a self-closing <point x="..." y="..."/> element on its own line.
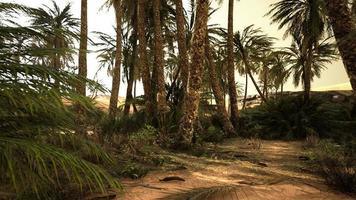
<point x="255" y="143"/>
<point x="312" y="139"/>
<point x="138" y="141"/>
<point x="134" y="170"/>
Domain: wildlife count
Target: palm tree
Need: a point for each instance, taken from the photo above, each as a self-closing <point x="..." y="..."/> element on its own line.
<point x="143" y="59"/>
<point x="198" y="54"/>
<point x="231" y="66"/>
<point x="278" y="72"/>
<point x="159" y="58"/>
<point x="250" y="46"/>
<point x="218" y="91"/>
<point x="344" y="31"/>
<point x="81" y="88"/>
<point x="322" y="54"/>
<point x="60" y="31"/>
<point x="83" y="45"/>
<point x="130" y="52"/>
<point x="182" y="47"/>
<point x="116" y="71"/>
<point x="304" y="19"/>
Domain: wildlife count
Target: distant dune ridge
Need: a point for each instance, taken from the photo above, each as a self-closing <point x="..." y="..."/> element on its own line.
<point x="341" y="86"/>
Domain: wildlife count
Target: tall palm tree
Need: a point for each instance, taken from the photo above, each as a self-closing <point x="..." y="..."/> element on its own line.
<point x="83" y="45"/>
<point x="82" y="71"/>
<point x="344" y="31"/>
<point x="116" y="71"/>
<point x="231" y="66"/>
<point x="60" y="31"/>
<point x="250" y="45"/>
<point x="130" y="54"/>
<point x="182" y="47"/>
<point x="304" y="19"/>
<point x="278" y="72"/>
<point x="159" y="57"/>
<point x="218" y="91"/>
<point x="322" y="54"/>
<point x="198" y="54"/>
<point x="143" y="59"/>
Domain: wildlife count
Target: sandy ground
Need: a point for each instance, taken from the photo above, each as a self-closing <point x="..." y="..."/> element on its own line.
<point x="272" y="172"/>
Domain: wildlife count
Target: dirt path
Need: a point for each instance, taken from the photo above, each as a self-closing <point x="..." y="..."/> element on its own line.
<point x="272" y="172"/>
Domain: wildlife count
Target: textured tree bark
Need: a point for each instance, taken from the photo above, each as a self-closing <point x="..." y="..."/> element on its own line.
<point x="83" y="46"/>
<point x="116" y="71"/>
<point x="307" y="76"/>
<point x="192" y="98"/>
<point x="82" y="62"/>
<point x="218" y="93"/>
<point x="344" y="30"/>
<point x="145" y="69"/>
<point x="158" y="57"/>
<point x="231" y="66"/>
<point x="182" y="47"/>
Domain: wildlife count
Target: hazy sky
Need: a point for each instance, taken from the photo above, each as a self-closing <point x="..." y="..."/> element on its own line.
<point x="247" y="12"/>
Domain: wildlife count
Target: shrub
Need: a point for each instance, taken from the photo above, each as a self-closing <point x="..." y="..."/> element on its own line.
<point x="122" y="124"/>
<point x="337" y="164"/>
<point x="291" y="118"/>
<point x="212" y="134"/>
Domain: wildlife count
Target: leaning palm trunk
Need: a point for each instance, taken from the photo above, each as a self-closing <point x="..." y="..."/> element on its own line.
<point x="231" y="67"/>
<point x="344" y="29"/>
<point x="182" y="47"/>
<point x="217" y="90"/>
<point x="116" y="70"/>
<point x="158" y="57"/>
<point x="145" y="69"/>
<point x="245" y="96"/>
<point x="265" y="82"/>
<point x="192" y="98"/>
<point x="248" y="69"/>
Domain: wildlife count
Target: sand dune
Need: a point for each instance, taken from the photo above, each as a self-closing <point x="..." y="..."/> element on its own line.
<point x="341" y="86"/>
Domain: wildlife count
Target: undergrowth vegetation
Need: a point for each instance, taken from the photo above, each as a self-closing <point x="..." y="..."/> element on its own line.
<point x="336" y="163"/>
<point x="290" y="118"/>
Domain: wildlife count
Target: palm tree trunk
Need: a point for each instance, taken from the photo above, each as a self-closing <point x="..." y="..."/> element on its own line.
<point x="145" y="69"/>
<point x="248" y="69"/>
<point x="183" y="62"/>
<point x="116" y="71"/>
<point x="217" y="90"/>
<point x="307" y="76"/>
<point x="246" y="87"/>
<point x="282" y="85"/>
<point x="192" y="98"/>
<point x="158" y="57"/>
<point x="344" y="30"/>
<point x="231" y="67"/>
<point x="81" y="88"/>
<point x="83" y="46"/>
<point x="265" y="82"/>
<point x="130" y="82"/>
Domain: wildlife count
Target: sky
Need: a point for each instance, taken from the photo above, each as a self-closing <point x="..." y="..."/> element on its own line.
<point x="246" y="12"/>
